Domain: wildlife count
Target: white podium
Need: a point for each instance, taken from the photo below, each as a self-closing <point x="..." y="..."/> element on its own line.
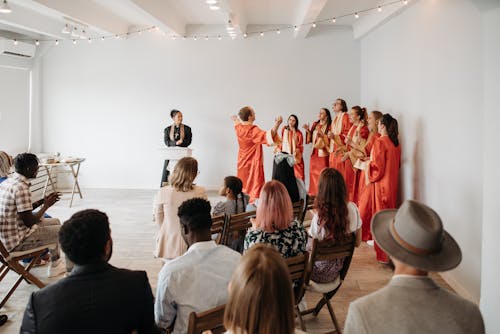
<point x="174" y="154"/>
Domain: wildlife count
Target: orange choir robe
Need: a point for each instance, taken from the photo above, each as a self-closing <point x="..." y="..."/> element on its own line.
<point x="293" y="142"/>
<point x="340" y="127"/>
<point x="358" y="134"/>
<point x="366" y="194"/>
<point x="319" y="157"/>
<point x="250" y="158"/>
<point x="383" y="171"/>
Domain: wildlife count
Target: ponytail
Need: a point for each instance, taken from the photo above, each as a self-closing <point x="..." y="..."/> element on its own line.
<point x="391" y="125"/>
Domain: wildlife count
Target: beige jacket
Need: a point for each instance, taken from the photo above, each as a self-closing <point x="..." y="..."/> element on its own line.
<point x="169" y="242"/>
<point x="410" y="304"/>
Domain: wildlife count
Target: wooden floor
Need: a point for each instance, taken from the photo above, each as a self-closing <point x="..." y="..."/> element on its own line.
<point x="133" y="232"/>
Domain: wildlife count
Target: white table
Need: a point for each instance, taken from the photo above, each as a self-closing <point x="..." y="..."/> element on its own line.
<point x="72" y="167"/>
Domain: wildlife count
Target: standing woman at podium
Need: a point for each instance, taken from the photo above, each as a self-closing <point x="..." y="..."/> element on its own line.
<point x="177" y="134"/>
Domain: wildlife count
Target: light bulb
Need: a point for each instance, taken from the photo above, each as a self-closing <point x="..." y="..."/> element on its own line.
<point x="56" y="42"/>
<point x="37" y="42"/>
<point x="334" y="20"/>
<point x="211" y="2"/>
<point x="90" y="40"/>
<point x="262" y="34"/>
<point x="405" y="2"/>
<point x="356" y="15"/>
<point x="278" y="31"/>
<point x="295" y="28"/>
<point x="66" y="29"/>
<point x="117" y="36"/>
<point x="214" y="7"/>
<point x="245" y="35"/>
<point x="195" y="38"/>
<point x="314" y="25"/>
<point x="219" y="38"/>
<point x="206" y="38"/>
<point x="102" y="38"/>
<point x="15" y="42"/>
<point x="74" y="41"/>
<point x="379" y="8"/>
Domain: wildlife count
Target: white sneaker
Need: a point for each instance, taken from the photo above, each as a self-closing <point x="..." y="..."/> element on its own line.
<point x="56" y="268"/>
<point x="370" y="243"/>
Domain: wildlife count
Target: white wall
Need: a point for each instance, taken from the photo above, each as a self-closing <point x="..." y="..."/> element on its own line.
<point x="490" y="289"/>
<point x="425" y="67"/>
<point x="110" y="101"/>
<point x="14" y="105"/>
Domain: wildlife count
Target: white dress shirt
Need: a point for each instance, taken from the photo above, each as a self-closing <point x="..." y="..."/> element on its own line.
<point x="194" y="282"/>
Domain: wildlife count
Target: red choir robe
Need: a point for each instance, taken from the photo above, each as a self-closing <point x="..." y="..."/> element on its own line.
<point x="293" y="142"/>
<point x="366" y="194"/>
<point x="340" y="127"/>
<point x="319" y="156"/>
<point x="383" y="172"/>
<point x="358" y="134"/>
<point x="250" y="157"/>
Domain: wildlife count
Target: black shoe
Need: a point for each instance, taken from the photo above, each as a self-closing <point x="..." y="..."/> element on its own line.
<point x="3" y="319"/>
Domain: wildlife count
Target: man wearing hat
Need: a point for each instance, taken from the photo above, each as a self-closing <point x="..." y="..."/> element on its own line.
<point x="412" y="302"/>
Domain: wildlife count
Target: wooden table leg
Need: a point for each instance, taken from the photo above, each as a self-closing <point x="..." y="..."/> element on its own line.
<point x="48" y="170"/>
<point x="75" y="183"/>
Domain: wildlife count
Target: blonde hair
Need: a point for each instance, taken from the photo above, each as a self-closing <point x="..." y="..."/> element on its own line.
<point x="260" y="294"/>
<point x="5" y="164"/>
<point x="185" y="172"/>
<point x="275" y="211"/>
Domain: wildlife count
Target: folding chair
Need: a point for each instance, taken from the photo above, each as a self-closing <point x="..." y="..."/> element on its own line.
<point x="328" y="251"/>
<point x="10" y="261"/>
<point x="217" y="229"/>
<point x="212" y="320"/>
<point x="297" y="266"/>
<point x="237" y="226"/>
<point x="307" y="207"/>
<point x="298" y="208"/>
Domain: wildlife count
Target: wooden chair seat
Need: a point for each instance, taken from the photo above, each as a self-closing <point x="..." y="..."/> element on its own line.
<point x="10" y="261"/>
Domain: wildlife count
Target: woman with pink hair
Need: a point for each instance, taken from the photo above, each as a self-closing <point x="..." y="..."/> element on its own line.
<point x="274" y="223"/>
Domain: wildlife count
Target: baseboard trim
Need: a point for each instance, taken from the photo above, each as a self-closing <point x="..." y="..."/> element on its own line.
<point x="459" y="288"/>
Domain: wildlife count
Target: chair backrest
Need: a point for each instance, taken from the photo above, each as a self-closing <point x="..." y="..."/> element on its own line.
<point x="308" y="206"/>
<point x="212" y="320"/>
<point x="237" y="224"/>
<point x="3" y="251"/>
<point x="298" y="208"/>
<point x="218" y="225"/>
<point x="297" y="266"/>
<point x="327" y="250"/>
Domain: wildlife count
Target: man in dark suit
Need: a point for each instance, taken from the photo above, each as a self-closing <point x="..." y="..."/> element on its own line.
<point x="177" y="134"/>
<point x="96" y="297"/>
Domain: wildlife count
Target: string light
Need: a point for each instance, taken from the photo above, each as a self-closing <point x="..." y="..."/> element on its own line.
<point x="75" y="34"/>
<point x="37" y="42"/>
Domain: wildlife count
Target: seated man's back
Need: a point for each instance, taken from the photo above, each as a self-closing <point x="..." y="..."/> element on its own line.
<point x="96" y="298"/>
<point x="411" y="305"/>
<point x="196" y="281"/>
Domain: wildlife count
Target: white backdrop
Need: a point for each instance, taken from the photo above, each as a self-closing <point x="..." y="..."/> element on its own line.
<point x="110" y="101"/>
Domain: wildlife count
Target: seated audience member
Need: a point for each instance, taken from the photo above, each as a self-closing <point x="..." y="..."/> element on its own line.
<point x="334" y="219"/>
<point x="169" y="241"/>
<point x="412" y="302"/>
<point x="260" y="295"/>
<point x="5" y="165"/>
<point x="21" y="228"/>
<point x="274" y="223"/>
<point x="96" y="297"/>
<point x="283" y="171"/>
<point x="236" y="200"/>
<point x="196" y="281"/>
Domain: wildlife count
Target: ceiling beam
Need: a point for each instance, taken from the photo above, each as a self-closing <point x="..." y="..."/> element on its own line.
<point x="236" y="14"/>
<point x="163" y="17"/>
<point x="373" y="19"/>
<point x="90" y="13"/>
<point x="32" y="21"/>
<point x="307" y="14"/>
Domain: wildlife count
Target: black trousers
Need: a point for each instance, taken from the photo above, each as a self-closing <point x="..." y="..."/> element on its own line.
<point x="165" y="173"/>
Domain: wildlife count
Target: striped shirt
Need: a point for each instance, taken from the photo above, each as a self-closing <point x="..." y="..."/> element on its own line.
<point x="15" y="197"/>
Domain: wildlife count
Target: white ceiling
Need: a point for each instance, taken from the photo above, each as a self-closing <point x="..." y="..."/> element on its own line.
<point x="46" y="18"/>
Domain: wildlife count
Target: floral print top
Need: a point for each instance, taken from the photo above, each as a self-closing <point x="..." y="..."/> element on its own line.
<point x="289" y="242"/>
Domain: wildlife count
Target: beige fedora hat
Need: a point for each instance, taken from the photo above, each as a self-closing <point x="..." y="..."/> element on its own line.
<point x="414" y="235"/>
